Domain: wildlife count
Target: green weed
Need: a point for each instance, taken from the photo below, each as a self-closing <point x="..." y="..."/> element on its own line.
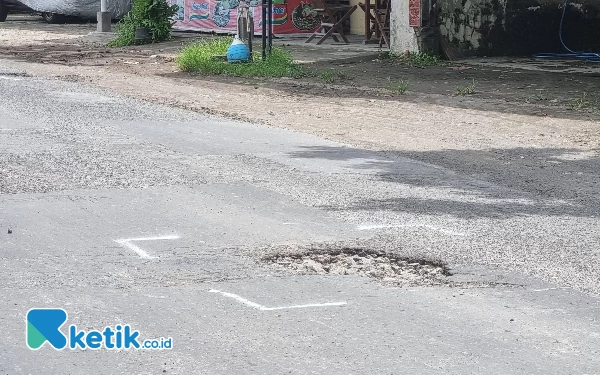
<point x="332" y="76"/>
<point x="417" y="60"/>
<point x="585" y="103"/>
<point x="400" y="87"/>
<point x="580" y="103"/>
<point x="423" y="59"/>
<point x="328" y="77"/>
<point x="466" y="90"/>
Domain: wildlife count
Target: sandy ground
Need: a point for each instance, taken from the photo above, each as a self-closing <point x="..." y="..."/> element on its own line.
<point x="518" y="123"/>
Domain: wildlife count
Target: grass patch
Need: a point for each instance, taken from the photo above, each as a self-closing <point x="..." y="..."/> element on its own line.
<point x="400" y="87"/>
<point x="203" y="58"/>
<point x="466" y="90"/>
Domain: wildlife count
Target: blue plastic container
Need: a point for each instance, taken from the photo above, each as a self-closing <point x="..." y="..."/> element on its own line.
<point x="238" y="51"/>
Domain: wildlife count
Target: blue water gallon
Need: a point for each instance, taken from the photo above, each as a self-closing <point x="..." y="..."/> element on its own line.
<point x="238" y="51"/>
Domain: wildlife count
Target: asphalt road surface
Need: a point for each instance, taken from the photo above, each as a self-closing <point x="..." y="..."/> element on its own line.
<point x="124" y="212"/>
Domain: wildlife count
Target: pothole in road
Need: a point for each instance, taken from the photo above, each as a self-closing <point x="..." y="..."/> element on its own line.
<point x="386" y="268"/>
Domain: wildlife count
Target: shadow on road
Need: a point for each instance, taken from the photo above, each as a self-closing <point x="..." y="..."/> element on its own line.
<point x="498" y="183"/>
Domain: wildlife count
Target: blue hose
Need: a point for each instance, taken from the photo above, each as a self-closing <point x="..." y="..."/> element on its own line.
<point x="587" y="56"/>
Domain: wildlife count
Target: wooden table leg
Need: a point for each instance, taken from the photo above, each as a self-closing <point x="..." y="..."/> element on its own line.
<point x="367" y="20"/>
<point x="338" y="27"/>
<point x="340" y="24"/>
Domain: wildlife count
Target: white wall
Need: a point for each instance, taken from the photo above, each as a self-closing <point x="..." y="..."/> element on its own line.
<point x="402" y="36"/>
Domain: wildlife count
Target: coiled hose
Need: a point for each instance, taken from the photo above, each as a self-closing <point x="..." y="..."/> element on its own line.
<point x="587" y="56"/>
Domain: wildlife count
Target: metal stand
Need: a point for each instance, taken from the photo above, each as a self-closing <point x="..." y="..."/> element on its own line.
<point x="264" y="29"/>
<point x="270" y="5"/>
<point x="104" y="18"/>
<point x="245" y="25"/>
<point x="267" y="4"/>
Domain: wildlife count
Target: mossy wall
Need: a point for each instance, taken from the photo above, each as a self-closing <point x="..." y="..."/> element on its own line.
<point x="519" y="27"/>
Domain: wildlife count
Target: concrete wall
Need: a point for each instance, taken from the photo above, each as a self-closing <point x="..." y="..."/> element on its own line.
<point x="402" y="36"/>
<point x="511" y="27"/>
<point x="466" y="22"/>
<point x="519" y="27"/>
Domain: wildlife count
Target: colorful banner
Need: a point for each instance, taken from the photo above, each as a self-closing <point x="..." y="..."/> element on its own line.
<point x="289" y="16"/>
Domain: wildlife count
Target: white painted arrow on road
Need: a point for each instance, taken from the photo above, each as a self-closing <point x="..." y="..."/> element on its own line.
<point x="127" y="242"/>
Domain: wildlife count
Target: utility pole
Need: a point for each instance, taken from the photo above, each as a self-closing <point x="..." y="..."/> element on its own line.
<point x="104" y="18"/>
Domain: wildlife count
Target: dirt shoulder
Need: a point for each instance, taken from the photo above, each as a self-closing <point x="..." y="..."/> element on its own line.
<point x="513" y="112"/>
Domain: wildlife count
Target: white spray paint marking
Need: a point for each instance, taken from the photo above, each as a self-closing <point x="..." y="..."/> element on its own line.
<point x="10" y="78"/>
<point x="432" y="227"/>
<point x="264" y="308"/>
<point x="546" y="289"/>
<point x="127" y="242"/>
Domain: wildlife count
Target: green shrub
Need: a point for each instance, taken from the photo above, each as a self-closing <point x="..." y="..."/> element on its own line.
<point x="155" y="15"/>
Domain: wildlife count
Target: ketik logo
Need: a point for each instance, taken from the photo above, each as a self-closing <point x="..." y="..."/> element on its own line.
<point x="44" y="325"/>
